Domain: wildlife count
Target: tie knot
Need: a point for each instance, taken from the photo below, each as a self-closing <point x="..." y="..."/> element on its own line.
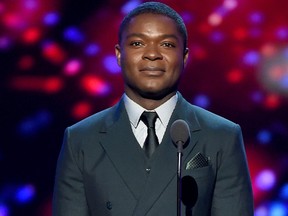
<point x="149" y="118"/>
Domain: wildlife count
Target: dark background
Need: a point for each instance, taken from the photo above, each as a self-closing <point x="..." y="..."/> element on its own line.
<point x="57" y="66"/>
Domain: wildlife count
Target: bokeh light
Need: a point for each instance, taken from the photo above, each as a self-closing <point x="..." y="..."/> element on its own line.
<point x="58" y="66"/>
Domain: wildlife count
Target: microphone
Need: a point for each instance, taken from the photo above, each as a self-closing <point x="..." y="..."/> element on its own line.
<point x="180" y="134"/>
<point x="189" y="193"/>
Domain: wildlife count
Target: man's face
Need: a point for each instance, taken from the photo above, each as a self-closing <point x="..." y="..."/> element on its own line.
<point x="152" y="56"/>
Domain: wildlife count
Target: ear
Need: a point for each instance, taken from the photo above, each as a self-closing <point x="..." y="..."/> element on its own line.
<point x="118" y="54"/>
<point x="186" y="55"/>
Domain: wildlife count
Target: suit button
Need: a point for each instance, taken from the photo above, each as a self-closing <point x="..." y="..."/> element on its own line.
<point x="148" y="169"/>
<point x="109" y="205"/>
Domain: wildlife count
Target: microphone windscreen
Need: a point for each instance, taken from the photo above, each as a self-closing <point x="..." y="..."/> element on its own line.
<point x="179" y="131"/>
<point x="189" y="191"/>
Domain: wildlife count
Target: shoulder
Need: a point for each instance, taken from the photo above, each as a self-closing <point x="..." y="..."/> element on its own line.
<point x="95" y="122"/>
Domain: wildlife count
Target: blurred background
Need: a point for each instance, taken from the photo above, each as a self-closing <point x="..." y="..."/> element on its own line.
<point x="57" y="66"/>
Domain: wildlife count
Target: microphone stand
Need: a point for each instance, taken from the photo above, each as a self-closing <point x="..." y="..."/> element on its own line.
<point x="179" y="176"/>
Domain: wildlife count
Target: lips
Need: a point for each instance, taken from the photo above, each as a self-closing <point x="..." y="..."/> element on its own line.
<point x="152" y="69"/>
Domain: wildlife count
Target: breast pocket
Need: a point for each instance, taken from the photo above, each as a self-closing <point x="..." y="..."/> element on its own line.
<point x="199" y="173"/>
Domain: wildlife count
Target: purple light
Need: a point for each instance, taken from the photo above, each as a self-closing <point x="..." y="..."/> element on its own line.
<point x="130" y="5"/>
<point x="261" y="211"/>
<point x="285" y="54"/>
<point x="222" y="11"/>
<point x="188" y="17"/>
<point x="51" y="18"/>
<point x="255" y="32"/>
<point x="4" y="210"/>
<point x="284" y="81"/>
<point x="25" y="194"/>
<point x="266" y="180"/>
<point x="110" y="63"/>
<point x="217" y="37"/>
<point x="202" y="101"/>
<point x="74" y="35"/>
<point x="257" y="96"/>
<point x="251" y="58"/>
<point x="4" y="42"/>
<point x="256" y="17"/>
<point x="264" y="136"/>
<point x="30" y="4"/>
<point x="282" y="33"/>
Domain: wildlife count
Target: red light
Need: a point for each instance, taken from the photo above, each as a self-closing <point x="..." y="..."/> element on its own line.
<point x="81" y="110"/>
<point x="54" y="53"/>
<point x="240" y="34"/>
<point x="199" y="52"/>
<point x="272" y="101"/>
<point x="29" y="83"/>
<point x="235" y="76"/>
<point x="31" y="35"/>
<point x="53" y="85"/>
<point x="95" y="85"/>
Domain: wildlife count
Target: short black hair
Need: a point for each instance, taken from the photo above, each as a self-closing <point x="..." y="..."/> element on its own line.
<point x="155" y="8"/>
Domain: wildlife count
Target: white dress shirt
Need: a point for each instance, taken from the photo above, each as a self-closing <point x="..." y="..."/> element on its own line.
<point x="139" y="129"/>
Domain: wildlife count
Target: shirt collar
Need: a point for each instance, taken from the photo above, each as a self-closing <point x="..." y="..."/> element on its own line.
<point x="164" y="111"/>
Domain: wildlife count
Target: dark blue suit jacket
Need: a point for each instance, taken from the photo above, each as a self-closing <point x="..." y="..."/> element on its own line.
<point x="102" y="170"/>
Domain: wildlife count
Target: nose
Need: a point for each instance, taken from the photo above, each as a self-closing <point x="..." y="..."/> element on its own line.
<point x="152" y="53"/>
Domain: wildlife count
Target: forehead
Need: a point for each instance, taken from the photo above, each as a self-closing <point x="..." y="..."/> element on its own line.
<point x="150" y="22"/>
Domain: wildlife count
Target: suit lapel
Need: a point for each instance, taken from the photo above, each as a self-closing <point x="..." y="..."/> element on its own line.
<point x="123" y="150"/>
<point x="164" y="160"/>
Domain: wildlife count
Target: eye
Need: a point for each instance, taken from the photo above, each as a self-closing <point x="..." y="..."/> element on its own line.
<point x="136" y="43"/>
<point x="168" y="44"/>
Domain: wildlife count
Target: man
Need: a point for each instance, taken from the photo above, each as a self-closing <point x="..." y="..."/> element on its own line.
<point x="103" y="168"/>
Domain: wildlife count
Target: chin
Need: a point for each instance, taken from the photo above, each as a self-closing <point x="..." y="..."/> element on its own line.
<point x="156" y="95"/>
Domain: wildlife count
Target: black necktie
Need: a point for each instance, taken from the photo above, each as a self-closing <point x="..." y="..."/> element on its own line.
<point x="151" y="142"/>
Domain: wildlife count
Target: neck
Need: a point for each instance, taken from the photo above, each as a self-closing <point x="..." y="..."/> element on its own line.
<point x="149" y="103"/>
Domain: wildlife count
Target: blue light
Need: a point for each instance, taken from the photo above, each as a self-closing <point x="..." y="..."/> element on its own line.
<point x="74" y="35"/>
<point x="110" y="63"/>
<point x="278" y="209"/>
<point x="284" y="192"/>
<point x="33" y="124"/>
<point x="4" y="211"/>
<point x="25" y="194"/>
<point x="202" y="101"/>
<point x="251" y="58"/>
<point x="51" y="18"/>
<point x="264" y="136"/>
<point x="92" y="49"/>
